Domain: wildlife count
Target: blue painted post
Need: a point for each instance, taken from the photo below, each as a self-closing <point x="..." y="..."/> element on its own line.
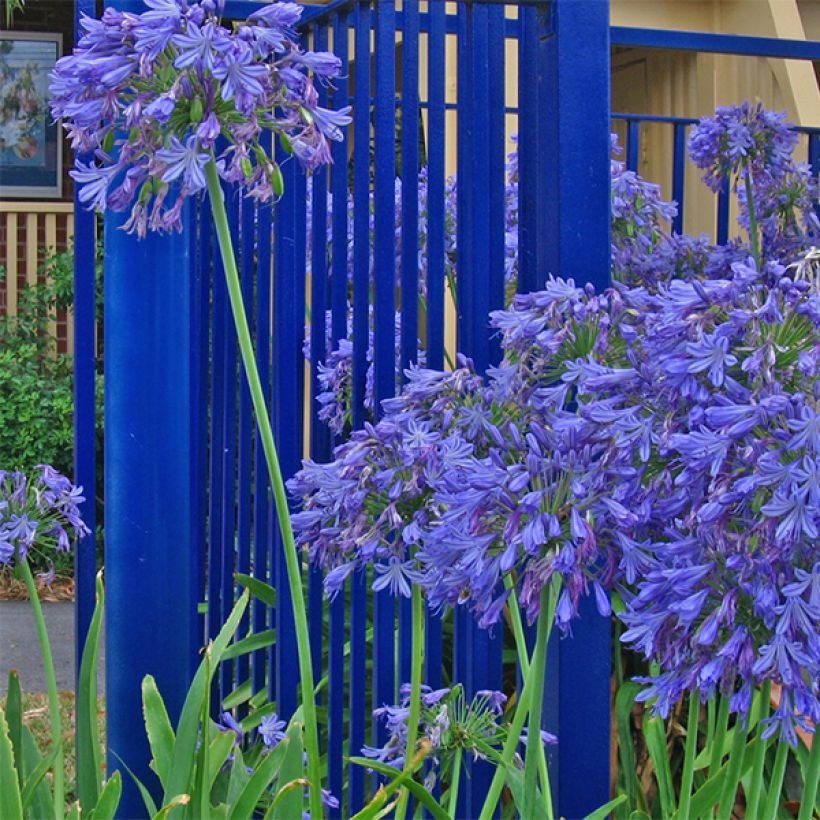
<point x="573" y="162"/>
<point x="150" y="605"/>
<point x="85" y="404"/>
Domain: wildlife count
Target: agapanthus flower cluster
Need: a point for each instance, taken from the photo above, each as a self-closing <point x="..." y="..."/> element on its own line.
<point x="372" y="502"/>
<point x="748" y="145"/>
<point x="36" y="512"/>
<point x="711" y="482"/>
<point x="462" y="482"/>
<point x="154" y="97"/>
<point x="449" y="720"/>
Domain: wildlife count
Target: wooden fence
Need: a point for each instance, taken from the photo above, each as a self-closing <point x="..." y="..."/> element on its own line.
<point x="29" y="232"/>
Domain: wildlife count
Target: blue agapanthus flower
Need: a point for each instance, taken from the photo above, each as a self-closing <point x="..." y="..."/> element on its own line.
<point x="149" y="96"/>
<point x="38" y="511"/>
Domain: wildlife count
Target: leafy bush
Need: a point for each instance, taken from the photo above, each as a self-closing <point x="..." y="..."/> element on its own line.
<point x="36" y="382"/>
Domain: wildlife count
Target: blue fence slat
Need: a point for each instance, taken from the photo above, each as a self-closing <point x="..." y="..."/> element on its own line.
<point x="361" y="301"/>
<point x="287" y="320"/>
<point x="409" y="108"/>
<point x="229" y="449"/>
<point x="148" y="456"/>
<point x="248" y="217"/>
<point x="724" y="199"/>
<point x="262" y="509"/>
<point x="633" y="144"/>
<point x="384" y="307"/>
<point x="577" y="156"/>
<point x="435" y="144"/>
<point x="215" y="478"/>
<point x="85" y="394"/>
<point x="336" y="731"/>
<point x="678" y="173"/>
<point x="319" y="302"/>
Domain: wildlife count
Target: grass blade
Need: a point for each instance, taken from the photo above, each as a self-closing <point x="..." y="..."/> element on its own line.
<point x="11" y="807"/>
<point x="14" y="716"/>
<point x="89" y="759"/>
<point x="607" y="808"/>
<point x="654" y="731"/>
<point x="259" y="781"/>
<point x="292" y="768"/>
<point x="158" y="728"/>
<point x="109" y="799"/>
<point x="182" y="763"/>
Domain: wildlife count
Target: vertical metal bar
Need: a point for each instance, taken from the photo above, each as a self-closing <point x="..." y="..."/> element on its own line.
<point x="319" y="432"/>
<point x="409" y="107"/>
<point x="246" y="429"/>
<point x="678" y="173"/>
<point x="529" y="276"/>
<point x="149" y="537"/>
<point x="85" y="374"/>
<point x="633" y="144"/>
<point x="573" y="145"/>
<point x="436" y="41"/>
<point x="339" y="284"/>
<point x="384" y="309"/>
<point x="469" y="299"/>
<point x="724" y="198"/>
<point x="361" y="301"/>
<point x="229" y="420"/>
<point x="261" y="493"/>
<point x="288" y="319"/>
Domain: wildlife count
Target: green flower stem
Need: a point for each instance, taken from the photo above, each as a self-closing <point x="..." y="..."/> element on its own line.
<point x="51" y="686"/>
<point x="455" y="780"/>
<point x="514" y="733"/>
<point x="772" y="803"/>
<point x="689" y="754"/>
<point x="524" y="663"/>
<point x="734" y="767"/>
<point x="279" y="494"/>
<point x="719" y="736"/>
<point x="750" y="205"/>
<point x="415" y="688"/>
<point x="539" y="659"/>
<point x="812" y="779"/>
<point x="759" y="760"/>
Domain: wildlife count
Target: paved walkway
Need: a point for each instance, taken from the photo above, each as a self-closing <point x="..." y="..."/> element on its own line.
<point x="20" y="649"/>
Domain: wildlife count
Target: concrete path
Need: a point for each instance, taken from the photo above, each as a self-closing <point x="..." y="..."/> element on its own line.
<point x="20" y="649"/>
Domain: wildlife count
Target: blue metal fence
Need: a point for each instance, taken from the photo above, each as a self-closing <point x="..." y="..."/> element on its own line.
<point x="215" y="460"/>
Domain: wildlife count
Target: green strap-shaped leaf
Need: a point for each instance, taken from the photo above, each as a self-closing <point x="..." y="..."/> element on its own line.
<point x="173" y="803"/>
<point x="259" y="781"/>
<point x="89" y="760"/>
<point x="242" y="694"/>
<point x="158" y="728"/>
<point x="251" y="643"/>
<point x="182" y="762"/>
<point x="109" y="799"/>
<point x="11" y="806"/>
<point x="624" y="701"/>
<point x="219" y="752"/>
<point x="292" y="768"/>
<point x="150" y="805"/>
<point x="654" y="731"/>
<point x="416" y="789"/>
<point x="14" y="716"/>
<point x="607" y="808"/>
<point x="35" y="777"/>
<point x="42" y="803"/>
<point x="259" y="589"/>
<point x="238" y="779"/>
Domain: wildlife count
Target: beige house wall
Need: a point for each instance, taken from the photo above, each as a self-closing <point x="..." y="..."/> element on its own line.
<point x="692" y="85"/>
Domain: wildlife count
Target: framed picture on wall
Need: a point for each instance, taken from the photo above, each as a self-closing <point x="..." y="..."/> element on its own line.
<point x="31" y="156"/>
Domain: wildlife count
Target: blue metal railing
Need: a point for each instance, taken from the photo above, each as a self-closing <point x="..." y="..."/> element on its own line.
<point x="563" y="70"/>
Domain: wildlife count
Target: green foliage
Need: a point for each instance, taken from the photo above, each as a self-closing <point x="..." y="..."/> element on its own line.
<point x="26" y="792"/>
<point x="36" y="382"/>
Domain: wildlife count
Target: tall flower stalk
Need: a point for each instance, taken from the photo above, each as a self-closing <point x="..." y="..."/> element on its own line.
<point x="243" y="334"/>
<point x="167" y="103"/>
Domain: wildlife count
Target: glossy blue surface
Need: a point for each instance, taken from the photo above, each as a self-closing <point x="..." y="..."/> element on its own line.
<point x="151" y="623"/>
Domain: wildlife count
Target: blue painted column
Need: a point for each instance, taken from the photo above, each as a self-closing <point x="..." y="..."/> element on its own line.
<point x="573" y="117"/>
<point x="150" y="552"/>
